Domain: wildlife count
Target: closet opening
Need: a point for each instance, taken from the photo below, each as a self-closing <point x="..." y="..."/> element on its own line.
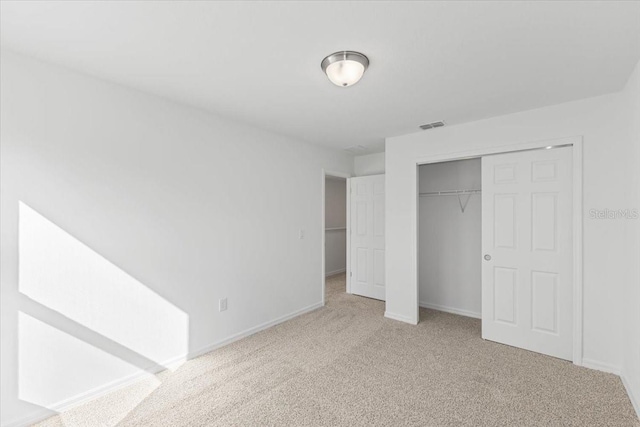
<point x="450" y="237"/>
<point x="499" y="239"/>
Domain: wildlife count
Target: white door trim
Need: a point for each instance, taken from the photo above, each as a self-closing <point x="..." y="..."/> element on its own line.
<point x="576" y="142"/>
<point x="325" y="173"/>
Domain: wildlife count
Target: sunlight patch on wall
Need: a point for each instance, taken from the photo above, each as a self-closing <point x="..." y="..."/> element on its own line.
<point x="63" y="274"/>
<point x="113" y="408"/>
<point x="55" y="368"/>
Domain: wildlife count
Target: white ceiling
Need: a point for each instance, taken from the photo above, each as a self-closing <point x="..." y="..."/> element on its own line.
<point x="259" y="62"/>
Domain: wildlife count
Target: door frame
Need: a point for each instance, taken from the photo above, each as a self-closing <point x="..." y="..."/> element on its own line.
<point x="346" y="176"/>
<point x="576" y="143"/>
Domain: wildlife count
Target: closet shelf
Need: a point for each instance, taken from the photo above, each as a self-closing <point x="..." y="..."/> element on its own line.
<point x="335" y="228"/>
<point x="458" y="193"/>
<point x="450" y="193"/>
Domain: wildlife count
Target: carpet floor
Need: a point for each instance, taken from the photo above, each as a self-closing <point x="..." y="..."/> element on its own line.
<point x="347" y="365"/>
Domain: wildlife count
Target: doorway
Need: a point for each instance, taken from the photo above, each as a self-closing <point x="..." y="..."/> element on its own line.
<point x="527" y="245"/>
<point x="335" y="236"/>
<point x="450" y="237"/>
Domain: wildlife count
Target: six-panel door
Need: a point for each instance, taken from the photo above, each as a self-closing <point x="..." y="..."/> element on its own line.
<point x="367" y="236"/>
<point x="527" y="275"/>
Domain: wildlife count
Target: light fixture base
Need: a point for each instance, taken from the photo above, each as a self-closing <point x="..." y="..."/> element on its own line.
<point x="345" y="55"/>
<point x="345" y="68"/>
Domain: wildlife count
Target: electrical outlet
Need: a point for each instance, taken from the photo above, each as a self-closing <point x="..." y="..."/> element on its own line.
<point x="301" y="234"/>
<point x="223" y="304"/>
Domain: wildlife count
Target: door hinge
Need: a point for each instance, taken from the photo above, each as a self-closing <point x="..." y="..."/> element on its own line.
<point x="350" y="274"/>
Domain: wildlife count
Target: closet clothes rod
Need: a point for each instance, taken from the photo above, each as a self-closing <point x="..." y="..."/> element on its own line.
<point x="450" y="193"/>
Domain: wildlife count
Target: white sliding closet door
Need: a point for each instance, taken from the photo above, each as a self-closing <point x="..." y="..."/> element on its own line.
<point x="527" y="276"/>
<point x="367" y="236"/>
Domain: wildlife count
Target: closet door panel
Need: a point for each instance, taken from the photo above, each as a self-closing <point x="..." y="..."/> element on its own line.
<point x="527" y="274"/>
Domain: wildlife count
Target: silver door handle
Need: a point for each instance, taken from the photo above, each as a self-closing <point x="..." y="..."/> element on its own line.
<point x="487" y="257"/>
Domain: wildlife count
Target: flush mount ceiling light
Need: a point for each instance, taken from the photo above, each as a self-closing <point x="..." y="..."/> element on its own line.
<point x="345" y="68"/>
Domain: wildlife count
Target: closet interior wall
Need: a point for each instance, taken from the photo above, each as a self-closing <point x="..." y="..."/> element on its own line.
<point x="449" y="240"/>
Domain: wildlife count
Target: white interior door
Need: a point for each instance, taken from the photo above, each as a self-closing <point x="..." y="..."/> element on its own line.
<point x="527" y="275"/>
<point x="367" y="236"/>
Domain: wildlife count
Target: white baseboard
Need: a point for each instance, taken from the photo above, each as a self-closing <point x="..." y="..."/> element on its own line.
<point x="116" y="385"/>
<point x="331" y="273"/>
<point x="131" y="379"/>
<point x="95" y="393"/>
<point x="632" y="397"/>
<point x="599" y="366"/>
<point x="35" y="417"/>
<point x="400" y="318"/>
<point x="251" y="331"/>
<point x="452" y="310"/>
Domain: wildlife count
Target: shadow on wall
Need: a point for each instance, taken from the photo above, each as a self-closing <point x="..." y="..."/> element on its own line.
<point x="84" y="325"/>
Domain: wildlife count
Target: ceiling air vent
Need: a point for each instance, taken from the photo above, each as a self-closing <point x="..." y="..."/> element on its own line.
<point x="432" y="125"/>
<point x="357" y="149"/>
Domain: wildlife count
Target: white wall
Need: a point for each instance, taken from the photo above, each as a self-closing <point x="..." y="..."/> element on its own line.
<point x="335" y="217"/>
<point x="369" y="164"/>
<point x="631" y="324"/>
<point x="603" y="124"/>
<point x="136" y="216"/>
<point x="450" y="241"/>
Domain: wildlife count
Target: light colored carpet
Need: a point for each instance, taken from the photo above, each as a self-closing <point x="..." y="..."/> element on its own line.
<point x="346" y="365"/>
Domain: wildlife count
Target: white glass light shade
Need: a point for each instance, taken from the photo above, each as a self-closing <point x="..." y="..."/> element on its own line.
<point x="345" y="68"/>
<point x="345" y="73"/>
